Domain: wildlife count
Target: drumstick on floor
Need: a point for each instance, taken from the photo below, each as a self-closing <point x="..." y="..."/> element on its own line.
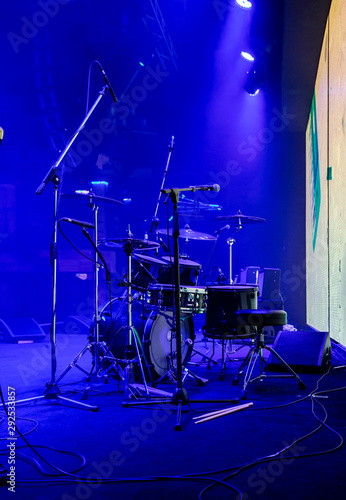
<point x="220" y="413"/>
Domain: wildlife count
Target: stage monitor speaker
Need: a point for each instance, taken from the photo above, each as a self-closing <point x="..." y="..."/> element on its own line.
<point x="20" y="330"/>
<point x="77" y="325"/>
<point x="249" y="275"/>
<point x="269" y="284"/>
<point x="308" y="352"/>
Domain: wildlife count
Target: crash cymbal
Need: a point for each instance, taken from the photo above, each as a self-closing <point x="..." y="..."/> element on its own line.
<point x="188" y="206"/>
<point x="130" y="244"/>
<point x="189" y="234"/>
<point x="241" y="218"/>
<point x="91" y="197"/>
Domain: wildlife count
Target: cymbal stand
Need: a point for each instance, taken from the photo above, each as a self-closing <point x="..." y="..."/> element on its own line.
<point x="155" y="221"/>
<point x="100" y="352"/>
<point x="132" y="390"/>
<point x="180" y="397"/>
<point x="52" y="391"/>
<point x="230" y="242"/>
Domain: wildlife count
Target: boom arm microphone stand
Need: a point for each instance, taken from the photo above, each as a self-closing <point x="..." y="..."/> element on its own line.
<point x="180" y="396"/>
<point x="155" y="221"/>
<point x="52" y="391"/>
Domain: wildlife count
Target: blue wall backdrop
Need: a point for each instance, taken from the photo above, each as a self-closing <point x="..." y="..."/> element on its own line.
<point x="222" y="135"/>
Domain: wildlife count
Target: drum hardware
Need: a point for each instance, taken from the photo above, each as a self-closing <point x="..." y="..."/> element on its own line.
<point x="171" y="375"/>
<point x="52" y="391"/>
<point x="97" y="348"/>
<point x="239" y="219"/>
<point x="132" y="349"/>
<point x="180" y="397"/>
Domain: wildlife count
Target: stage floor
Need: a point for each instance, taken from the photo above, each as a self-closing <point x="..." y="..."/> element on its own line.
<point x="121" y="445"/>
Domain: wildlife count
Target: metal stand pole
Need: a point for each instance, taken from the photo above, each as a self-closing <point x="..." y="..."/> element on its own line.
<point x="52" y="391"/>
<point x="180" y="396"/>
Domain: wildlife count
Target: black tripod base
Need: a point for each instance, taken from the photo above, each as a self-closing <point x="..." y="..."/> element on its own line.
<point x="52" y="393"/>
<point x="179" y="399"/>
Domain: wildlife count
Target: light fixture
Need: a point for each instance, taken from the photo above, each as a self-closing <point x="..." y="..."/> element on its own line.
<point x="254" y="82"/>
<point x="247" y="56"/>
<point x="244" y="4"/>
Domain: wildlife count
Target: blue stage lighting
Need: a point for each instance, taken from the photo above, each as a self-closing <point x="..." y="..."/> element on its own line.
<point x="247" y="56"/>
<point x="244" y="4"/>
<point x="99" y="183"/>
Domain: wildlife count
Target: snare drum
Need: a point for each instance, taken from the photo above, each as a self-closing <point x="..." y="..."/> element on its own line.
<point x="192" y="299"/>
<point x="189" y="271"/>
<point x="223" y="302"/>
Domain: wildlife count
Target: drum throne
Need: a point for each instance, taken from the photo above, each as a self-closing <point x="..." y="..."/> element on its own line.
<point x="257" y="319"/>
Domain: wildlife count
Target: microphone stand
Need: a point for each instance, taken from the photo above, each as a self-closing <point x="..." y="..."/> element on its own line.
<point x="52" y="391"/>
<point x="180" y="397"/>
<point x="155" y="221"/>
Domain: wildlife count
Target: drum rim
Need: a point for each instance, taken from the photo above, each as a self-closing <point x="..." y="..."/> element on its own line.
<point x="232" y="287"/>
<point x="169" y="286"/>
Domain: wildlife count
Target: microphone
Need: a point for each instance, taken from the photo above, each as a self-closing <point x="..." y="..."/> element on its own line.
<point x="1" y="135"/>
<point x="107" y="82"/>
<point x="163" y="244"/>
<point x="214" y="187"/>
<point x="79" y="223"/>
<point x="227" y="226"/>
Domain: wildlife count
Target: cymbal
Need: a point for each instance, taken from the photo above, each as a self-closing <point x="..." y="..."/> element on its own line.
<point x="241" y="218"/>
<point x="130" y="244"/>
<point x="189" y="234"/>
<point x="91" y="197"/>
<point x="188" y="206"/>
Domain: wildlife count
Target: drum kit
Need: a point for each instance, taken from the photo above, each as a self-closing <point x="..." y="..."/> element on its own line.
<point x="148" y="332"/>
<point x="134" y="336"/>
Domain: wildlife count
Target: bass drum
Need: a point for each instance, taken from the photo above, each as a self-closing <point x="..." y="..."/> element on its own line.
<point x="154" y="329"/>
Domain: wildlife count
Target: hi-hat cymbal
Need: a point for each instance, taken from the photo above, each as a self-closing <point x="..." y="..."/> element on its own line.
<point x="130" y="244"/>
<point x="189" y="234"/>
<point x="91" y="197"/>
<point x="241" y="218"/>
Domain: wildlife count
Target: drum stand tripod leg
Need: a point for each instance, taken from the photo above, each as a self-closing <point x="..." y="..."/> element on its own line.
<point x="180" y="396"/>
<point x="188" y="373"/>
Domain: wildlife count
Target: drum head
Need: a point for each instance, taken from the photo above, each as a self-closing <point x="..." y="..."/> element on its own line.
<point x="150" y="260"/>
<point x="160" y="342"/>
<point x="182" y="262"/>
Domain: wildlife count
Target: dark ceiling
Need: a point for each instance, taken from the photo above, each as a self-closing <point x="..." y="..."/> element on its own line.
<point x="304" y="25"/>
